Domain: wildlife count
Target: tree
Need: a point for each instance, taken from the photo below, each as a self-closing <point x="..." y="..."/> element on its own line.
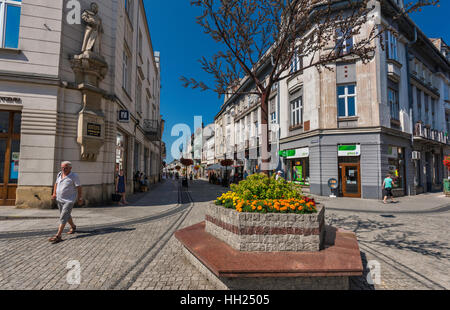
<point x="257" y="32"/>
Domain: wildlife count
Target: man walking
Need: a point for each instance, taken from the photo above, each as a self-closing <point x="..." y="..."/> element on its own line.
<point x="67" y="192"/>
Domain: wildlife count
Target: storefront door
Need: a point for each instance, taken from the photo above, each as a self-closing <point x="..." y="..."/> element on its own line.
<point x="350" y="180"/>
<point x="9" y="156"/>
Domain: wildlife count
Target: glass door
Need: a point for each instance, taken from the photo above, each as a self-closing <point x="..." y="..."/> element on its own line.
<point x="10" y="123"/>
<point x="351" y="180"/>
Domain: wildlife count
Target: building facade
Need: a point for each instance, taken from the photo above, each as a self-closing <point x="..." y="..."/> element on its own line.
<point x="357" y="122"/>
<point x="87" y="92"/>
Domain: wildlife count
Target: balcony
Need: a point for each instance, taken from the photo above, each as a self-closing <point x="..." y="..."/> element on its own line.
<point x="423" y="132"/>
<point x="152" y="129"/>
<point x="394" y="70"/>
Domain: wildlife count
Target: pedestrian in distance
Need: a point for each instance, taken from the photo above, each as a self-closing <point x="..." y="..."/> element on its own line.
<point x="388" y="184"/>
<point x="67" y="192"/>
<point x="121" y="187"/>
<point x="278" y="176"/>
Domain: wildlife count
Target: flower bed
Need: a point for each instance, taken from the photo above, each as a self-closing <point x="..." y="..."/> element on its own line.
<point x="261" y="194"/>
<point x="262" y="214"/>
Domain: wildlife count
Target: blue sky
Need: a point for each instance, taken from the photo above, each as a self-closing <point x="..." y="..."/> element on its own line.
<point x="182" y="43"/>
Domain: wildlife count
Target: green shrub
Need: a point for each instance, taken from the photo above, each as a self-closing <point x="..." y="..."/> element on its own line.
<point x="260" y="186"/>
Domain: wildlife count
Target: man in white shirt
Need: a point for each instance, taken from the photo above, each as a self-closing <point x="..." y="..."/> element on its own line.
<point x="278" y="176"/>
<point x="67" y="192"/>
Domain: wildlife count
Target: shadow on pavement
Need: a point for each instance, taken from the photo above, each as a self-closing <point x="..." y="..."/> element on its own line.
<point x="99" y="232"/>
<point x="391" y="235"/>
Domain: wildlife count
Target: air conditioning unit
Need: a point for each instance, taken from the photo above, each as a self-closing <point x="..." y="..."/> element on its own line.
<point x="415" y="155"/>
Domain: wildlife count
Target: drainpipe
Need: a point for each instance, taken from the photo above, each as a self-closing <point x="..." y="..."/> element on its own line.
<point x="411" y="100"/>
<point x="408" y="75"/>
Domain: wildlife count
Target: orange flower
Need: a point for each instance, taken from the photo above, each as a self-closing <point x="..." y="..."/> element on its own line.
<point x="260" y="208"/>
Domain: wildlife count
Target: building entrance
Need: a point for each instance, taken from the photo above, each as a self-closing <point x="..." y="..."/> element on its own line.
<point x="350" y="177"/>
<point x="10" y="123"/>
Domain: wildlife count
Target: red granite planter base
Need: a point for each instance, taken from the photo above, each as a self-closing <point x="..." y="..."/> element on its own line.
<point x="233" y="269"/>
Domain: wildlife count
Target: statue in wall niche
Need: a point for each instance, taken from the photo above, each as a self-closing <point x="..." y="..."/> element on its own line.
<point x="94" y="30"/>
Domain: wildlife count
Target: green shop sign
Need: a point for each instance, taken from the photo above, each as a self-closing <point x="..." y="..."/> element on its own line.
<point x="298" y="153"/>
<point x="349" y="150"/>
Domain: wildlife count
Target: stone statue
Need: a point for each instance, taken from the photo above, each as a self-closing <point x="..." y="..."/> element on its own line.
<point x="94" y="30"/>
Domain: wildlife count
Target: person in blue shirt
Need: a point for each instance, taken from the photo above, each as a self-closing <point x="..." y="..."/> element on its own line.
<point x="388" y="184"/>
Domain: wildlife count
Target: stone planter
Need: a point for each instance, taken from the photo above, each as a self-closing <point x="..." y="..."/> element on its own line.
<point x="273" y="232"/>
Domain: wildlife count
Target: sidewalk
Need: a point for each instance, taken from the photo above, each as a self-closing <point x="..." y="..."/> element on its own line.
<point x="423" y="203"/>
<point x="160" y="199"/>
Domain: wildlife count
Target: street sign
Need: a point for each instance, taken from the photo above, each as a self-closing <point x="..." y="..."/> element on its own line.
<point x="124" y="116"/>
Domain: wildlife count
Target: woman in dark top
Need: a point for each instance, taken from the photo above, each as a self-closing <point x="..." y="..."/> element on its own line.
<point x="120" y="187"/>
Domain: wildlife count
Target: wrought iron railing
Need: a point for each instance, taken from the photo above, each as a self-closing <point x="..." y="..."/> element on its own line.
<point x="430" y="134"/>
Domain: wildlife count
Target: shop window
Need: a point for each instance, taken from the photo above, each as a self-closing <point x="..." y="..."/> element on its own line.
<point x="396" y="165"/>
<point x="4" y="122"/>
<point x="2" y="159"/>
<point x="120" y="152"/>
<point x="299" y="173"/>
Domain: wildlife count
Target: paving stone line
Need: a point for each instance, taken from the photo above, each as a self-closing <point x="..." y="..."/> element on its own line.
<point x="129" y="277"/>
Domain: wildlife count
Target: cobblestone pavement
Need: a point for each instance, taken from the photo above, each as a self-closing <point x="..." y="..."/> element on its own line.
<point x="412" y="251"/>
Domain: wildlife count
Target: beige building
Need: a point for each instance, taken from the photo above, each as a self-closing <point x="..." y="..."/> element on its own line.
<point x="77" y="92"/>
<point x="355" y="123"/>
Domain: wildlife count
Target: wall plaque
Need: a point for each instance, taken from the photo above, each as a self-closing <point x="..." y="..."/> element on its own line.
<point x="94" y="130"/>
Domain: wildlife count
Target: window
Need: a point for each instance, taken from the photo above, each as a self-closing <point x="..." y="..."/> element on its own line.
<point x="391" y="46"/>
<point x="10" y="23"/>
<point x="447" y="120"/>
<point x="426" y="109"/>
<point x="140" y="43"/>
<point x="296" y="112"/>
<point x="296" y="62"/>
<point x="129" y="8"/>
<point x="273" y="117"/>
<point x="433" y="109"/>
<point x="147" y="108"/>
<point x="346" y="100"/>
<point x="139" y="95"/>
<point x="419" y="105"/>
<point x="126" y="79"/>
<point x="394" y="104"/>
<point x="344" y="42"/>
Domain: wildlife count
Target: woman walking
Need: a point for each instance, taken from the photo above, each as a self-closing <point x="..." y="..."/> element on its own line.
<point x="121" y="187"/>
<point x="387" y="186"/>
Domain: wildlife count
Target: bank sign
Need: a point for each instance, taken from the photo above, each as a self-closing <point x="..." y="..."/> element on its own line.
<point x="124" y="116"/>
<point x="349" y="150"/>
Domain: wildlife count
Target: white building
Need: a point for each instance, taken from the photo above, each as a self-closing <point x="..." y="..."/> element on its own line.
<point x="98" y="108"/>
